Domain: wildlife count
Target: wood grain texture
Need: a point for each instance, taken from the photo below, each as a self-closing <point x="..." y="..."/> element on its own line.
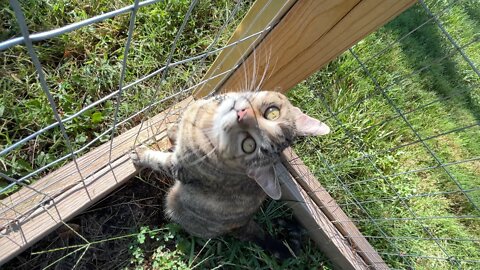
<point x="65" y="206"/>
<point x="328" y="238"/>
<point x="262" y="14"/>
<point x="64" y="194"/>
<point x="310" y="35"/>
<point x="328" y="206"/>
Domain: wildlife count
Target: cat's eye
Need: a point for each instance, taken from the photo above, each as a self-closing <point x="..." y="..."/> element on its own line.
<point x="272" y="113"/>
<point x="248" y="145"/>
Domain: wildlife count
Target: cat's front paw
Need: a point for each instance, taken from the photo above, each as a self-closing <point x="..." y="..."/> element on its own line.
<point x="138" y="155"/>
<point x="172" y="130"/>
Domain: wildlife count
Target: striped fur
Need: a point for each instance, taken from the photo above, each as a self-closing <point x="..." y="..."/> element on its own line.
<point x="218" y="186"/>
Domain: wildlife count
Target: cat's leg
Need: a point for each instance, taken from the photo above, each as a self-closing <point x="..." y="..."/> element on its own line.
<point x="254" y="233"/>
<point x="172" y="130"/>
<point x="157" y="160"/>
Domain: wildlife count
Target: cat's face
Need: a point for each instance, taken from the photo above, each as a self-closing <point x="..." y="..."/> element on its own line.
<point x="252" y="128"/>
<point x="259" y="124"/>
<point x="246" y="132"/>
<point x="252" y="124"/>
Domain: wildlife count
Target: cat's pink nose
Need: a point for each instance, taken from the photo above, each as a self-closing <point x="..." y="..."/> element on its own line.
<point x="241" y="114"/>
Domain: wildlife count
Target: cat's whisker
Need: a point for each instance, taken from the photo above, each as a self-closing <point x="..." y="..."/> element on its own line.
<point x="260" y="84"/>
<point x="267" y="63"/>
<point x="267" y="71"/>
<point x="251" y="83"/>
<point x="254" y="72"/>
<point x="245" y="75"/>
<point x="243" y="84"/>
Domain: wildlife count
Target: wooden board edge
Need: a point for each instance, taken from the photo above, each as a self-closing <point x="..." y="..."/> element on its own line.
<point x="327" y="237"/>
<point x="310" y="184"/>
<point x="64" y="207"/>
<point x="262" y="13"/>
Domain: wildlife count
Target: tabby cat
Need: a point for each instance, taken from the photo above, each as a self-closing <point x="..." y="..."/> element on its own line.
<point x="223" y="162"/>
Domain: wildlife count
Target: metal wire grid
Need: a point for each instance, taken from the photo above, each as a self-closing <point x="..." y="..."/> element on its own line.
<point x="28" y="39"/>
<point x="344" y="184"/>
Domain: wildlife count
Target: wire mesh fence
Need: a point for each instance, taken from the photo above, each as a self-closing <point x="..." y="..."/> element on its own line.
<point x="404" y="106"/>
<point x="396" y="165"/>
<point x="95" y="110"/>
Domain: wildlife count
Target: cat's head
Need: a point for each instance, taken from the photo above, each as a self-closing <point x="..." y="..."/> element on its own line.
<point x="252" y="128"/>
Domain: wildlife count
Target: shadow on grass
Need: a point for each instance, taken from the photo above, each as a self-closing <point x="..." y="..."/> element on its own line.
<point x="425" y="46"/>
<point x="472" y="9"/>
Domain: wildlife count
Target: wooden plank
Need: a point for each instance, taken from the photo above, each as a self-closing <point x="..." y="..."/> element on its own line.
<point x="330" y="208"/>
<point x="68" y="194"/>
<point x="310" y="35"/>
<point x="65" y="206"/>
<point x="328" y="238"/>
<point x="262" y="14"/>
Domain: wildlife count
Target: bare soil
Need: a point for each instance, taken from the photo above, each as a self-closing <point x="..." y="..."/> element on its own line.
<point x="137" y="203"/>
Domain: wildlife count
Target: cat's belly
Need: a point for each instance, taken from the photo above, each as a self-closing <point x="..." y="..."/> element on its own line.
<point x="209" y="215"/>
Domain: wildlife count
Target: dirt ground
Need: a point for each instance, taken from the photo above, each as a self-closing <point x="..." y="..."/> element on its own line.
<point x="112" y="225"/>
<point x="137" y="203"/>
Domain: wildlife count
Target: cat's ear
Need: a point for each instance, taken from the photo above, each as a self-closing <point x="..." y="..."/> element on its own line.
<point x="265" y="178"/>
<point x="308" y="126"/>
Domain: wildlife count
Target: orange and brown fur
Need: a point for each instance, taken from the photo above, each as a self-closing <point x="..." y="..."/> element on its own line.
<point x="223" y="162"/>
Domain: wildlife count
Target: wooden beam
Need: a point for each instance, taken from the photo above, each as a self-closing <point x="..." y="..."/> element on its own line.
<point x="63" y="194"/>
<point x="328" y="238"/>
<point x="310" y="35"/>
<point x="329" y="207"/>
<point x="249" y="33"/>
<point x="73" y="201"/>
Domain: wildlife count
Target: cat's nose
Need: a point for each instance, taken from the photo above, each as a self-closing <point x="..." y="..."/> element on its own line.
<point x="241" y="115"/>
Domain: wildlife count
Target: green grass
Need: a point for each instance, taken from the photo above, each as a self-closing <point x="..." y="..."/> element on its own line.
<point x="174" y="247"/>
<point x="84" y="65"/>
<point x="441" y="98"/>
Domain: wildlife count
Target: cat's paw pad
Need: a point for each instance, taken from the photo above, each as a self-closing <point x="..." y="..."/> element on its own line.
<point x="138" y="155"/>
